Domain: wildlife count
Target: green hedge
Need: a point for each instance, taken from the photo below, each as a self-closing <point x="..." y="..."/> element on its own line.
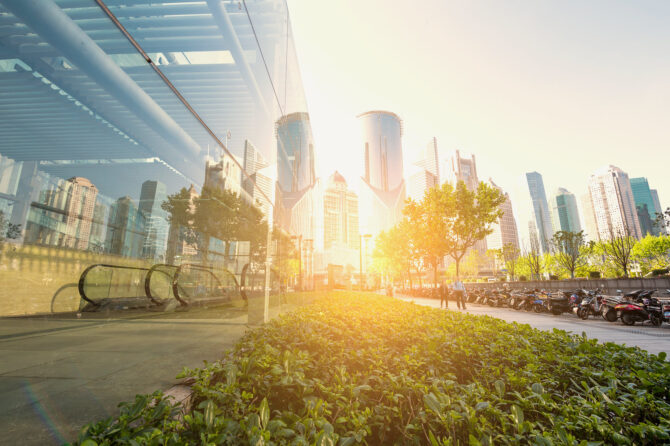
<point x="353" y="368"/>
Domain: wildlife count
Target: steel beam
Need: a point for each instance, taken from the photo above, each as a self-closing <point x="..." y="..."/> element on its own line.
<point x="46" y="19"/>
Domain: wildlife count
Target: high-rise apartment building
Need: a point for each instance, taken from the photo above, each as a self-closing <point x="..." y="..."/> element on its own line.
<point x="340" y="218"/>
<point x="382" y="192"/>
<point x="613" y="203"/>
<point x="505" y="230"/>
<point x="564" y="212"/>
<point x="645" y="205"/>
<point x="541" y="213"/>
<point x="126" y="229"/>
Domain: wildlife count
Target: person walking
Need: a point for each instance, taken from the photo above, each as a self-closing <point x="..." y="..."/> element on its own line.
<point x="459" y="294"/>
<point x="443" y="291"/>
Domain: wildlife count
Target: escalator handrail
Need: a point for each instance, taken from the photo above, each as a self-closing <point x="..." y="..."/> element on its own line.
<point x="175" y="282"/>
<point x="82" y="278"/>
<point x="147" y="280"/>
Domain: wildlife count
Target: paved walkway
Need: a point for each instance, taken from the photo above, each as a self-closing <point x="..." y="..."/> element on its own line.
<point x="652" y="339"/>
<point x="59" y="373"/>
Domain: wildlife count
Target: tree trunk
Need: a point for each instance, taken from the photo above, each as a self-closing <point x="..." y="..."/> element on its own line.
<point x="458" y="269"/>
<point x="409" y="275"/>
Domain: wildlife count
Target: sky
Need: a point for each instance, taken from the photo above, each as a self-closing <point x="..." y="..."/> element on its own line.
<point x="559" y="87"/>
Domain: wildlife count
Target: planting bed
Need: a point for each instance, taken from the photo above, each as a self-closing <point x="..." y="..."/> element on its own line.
<point x="357" y="368"/>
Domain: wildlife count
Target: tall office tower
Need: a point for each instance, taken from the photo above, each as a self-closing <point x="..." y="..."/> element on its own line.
<point x="340" y="220"/>
<point x="564" y="212"/>
<point x="424" y="172"/>
<point x="456" y="168"/>
<point x="428" y="159"/>
<point x="125" y="229"/>
<point x="382" y="191"/>
<point x="297" y="201"/>
<point x="152" y="196"/>
<point x="224" y="174"/>
<point x="257" y="167"/>
<point x="645" y="205"/>
<point x="505" y="230"/>
<point x="657" y="205"/>
<point x="541" y="214"/>
<point x="613" y="203"/>
<point x="589" y="218"/>
<point x="419" y="182"/>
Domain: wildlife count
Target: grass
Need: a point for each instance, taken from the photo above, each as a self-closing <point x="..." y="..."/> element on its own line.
<point x="358" y="369"/>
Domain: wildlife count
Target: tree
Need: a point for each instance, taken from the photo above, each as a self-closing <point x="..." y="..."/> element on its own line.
<point x="662" y="220"/>
<point x="470" y="216"/>
<point x="652" y="252"/>
<point x="508" y="255"/>
<point x="618" y="249"/>
<point x="386" y="258"/>
<point x="533" y="259"/>
<point x="570" y="250"/>
<point x="8" y="231"/>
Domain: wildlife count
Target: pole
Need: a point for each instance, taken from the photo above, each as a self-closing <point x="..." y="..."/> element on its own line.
<point x="360" y="262"/>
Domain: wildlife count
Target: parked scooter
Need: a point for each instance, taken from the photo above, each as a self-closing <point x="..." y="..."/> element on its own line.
<point x="590" y="305"/>
<point x="645" y="308"/>
<point x="560" y="304"/>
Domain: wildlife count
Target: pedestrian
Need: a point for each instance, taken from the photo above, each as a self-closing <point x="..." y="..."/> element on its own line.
<point x="459" y="294"/>
<point x="443" y="291"/>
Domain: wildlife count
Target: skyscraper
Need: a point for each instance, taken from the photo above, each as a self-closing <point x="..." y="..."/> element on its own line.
<point x="645" y="205"/>
<point x="505" y="231"/>
<point x="590" y="226"/>
<point x="224" y="174"/>
<point x="125" y="229"/>
<point x="456" y="168"/>
<point x="542" y="217"/>
<point x="657" y="205"/>
<point x="383" y="186"/>
<point x="258" y="169"/>
<point x="340" y="206"/>
<point x="425" y="171"/>
<point x="564" y="212"/>
<point x="152" y="196"/>
<point x="613" y="203"/>
<point x="295" y="153"/>
<point x="297" y="201"/>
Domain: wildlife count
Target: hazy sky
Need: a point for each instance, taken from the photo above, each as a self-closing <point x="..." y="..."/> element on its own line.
<point x="560" y="87"/>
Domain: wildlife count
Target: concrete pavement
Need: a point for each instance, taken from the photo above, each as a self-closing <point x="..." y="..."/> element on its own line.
<point x="652" y="339"/>
<point x="58" y="373"/>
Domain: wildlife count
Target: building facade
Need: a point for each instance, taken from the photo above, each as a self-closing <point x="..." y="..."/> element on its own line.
<point x="613" y="203"/>
<point x="645" y="205"/>
<point x="564" y="211"/>
<point x="382" y="189"/>
<point x="541" y="213"/>
<point x="458" y="168"/>
<point x="505" y="230"/>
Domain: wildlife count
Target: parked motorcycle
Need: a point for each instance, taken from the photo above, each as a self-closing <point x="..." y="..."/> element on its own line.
<point x="590" y="305"/>
<point x="645" y="308"/>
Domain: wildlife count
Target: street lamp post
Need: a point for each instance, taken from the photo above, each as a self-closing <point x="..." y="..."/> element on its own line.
<point x="360" y="258"/>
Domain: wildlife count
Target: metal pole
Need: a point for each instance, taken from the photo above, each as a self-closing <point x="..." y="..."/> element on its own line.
<point x="360" y="262"/>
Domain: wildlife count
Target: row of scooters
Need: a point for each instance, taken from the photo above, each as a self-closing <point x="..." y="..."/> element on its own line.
<point x="632" y="307"/>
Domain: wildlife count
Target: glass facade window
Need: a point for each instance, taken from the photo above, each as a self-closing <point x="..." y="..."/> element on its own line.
<point x="136" y="199"/>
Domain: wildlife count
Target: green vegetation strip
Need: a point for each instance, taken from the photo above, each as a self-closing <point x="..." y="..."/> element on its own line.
<point x="355" y="368"/>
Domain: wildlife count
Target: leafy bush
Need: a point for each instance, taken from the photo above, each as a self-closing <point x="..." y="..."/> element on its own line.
<point x="356" y="368"/>
<point x="594" y="274"/>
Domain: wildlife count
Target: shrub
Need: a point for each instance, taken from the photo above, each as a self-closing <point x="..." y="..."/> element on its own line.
<point x="355" y="368"/>
<point x="594" y="274"/>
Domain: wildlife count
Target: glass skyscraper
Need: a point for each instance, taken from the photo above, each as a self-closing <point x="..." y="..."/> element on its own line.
<point x="541" y="212"/>
<point x="645" y="205"/>
<point x="564" y="213"/>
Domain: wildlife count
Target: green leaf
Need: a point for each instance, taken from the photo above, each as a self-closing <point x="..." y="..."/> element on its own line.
<point x="89" y="442"/>
<point x="208" y="414"/>
<point x="662" y="356"/>
<point x="482" y="405"/>
<point x="431" y="402"/>
<point x="264" y="413"/>
<point x="500" y="387"/>
<point x="473" y="441"/>
<point x="537" y="388"/>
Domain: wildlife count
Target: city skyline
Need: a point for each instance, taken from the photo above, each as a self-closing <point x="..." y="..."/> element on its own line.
<point x="548" y="100"/>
